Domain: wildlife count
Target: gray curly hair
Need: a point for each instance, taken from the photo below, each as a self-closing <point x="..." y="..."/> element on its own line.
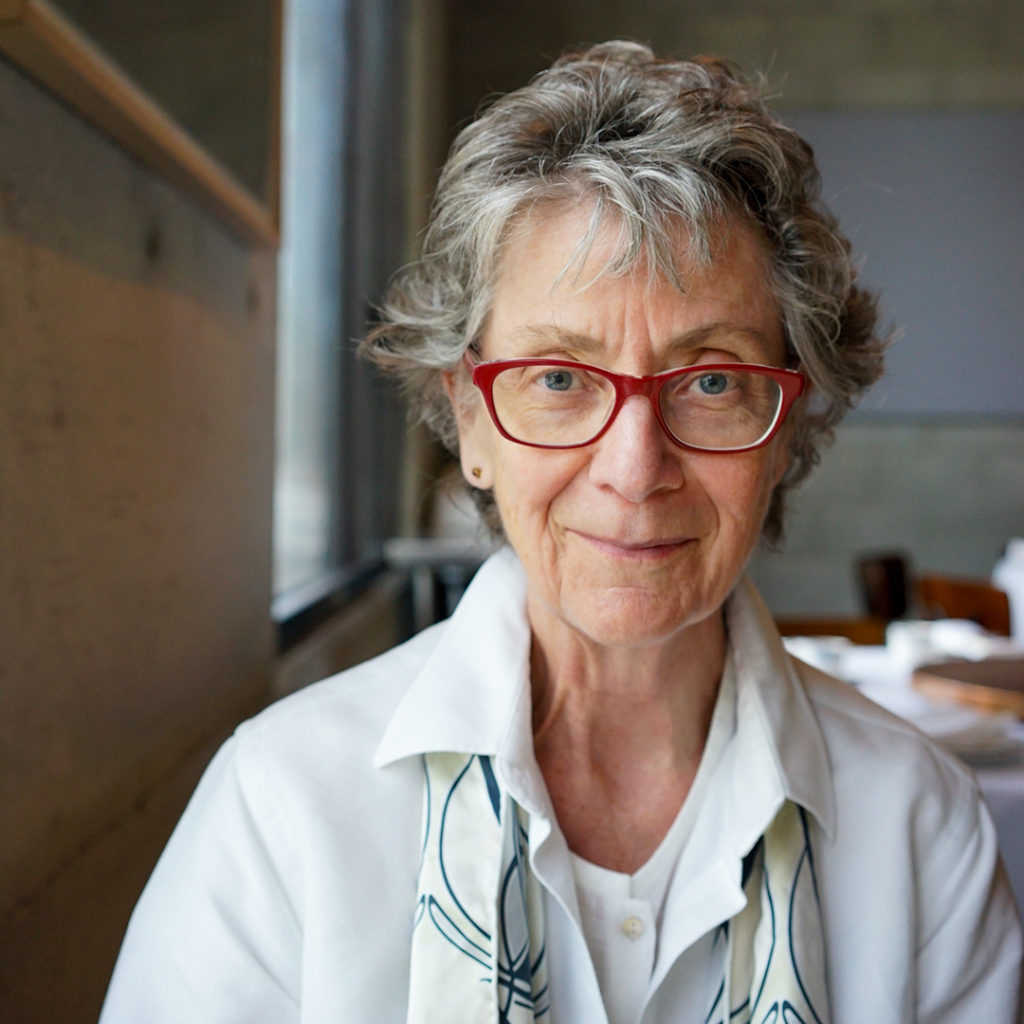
<point x="653" y="145"/>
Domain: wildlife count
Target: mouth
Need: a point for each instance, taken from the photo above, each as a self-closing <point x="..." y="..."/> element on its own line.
<point x="643" y="550"/>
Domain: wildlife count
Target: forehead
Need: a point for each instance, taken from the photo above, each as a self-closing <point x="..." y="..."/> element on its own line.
<point x="545" y="295"/>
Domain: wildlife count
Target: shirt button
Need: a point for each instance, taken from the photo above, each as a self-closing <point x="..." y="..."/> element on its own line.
<point x="632" y="927"/>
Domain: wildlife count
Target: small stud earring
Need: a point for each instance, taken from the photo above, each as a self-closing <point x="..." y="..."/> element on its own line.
<point x="477" y="472"/>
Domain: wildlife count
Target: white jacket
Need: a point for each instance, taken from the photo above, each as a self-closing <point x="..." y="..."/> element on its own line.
<point x="287" y="891"/>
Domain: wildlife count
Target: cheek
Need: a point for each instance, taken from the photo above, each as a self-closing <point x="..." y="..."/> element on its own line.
<point x="529" y="481"/>
<point x="740" y="487"/>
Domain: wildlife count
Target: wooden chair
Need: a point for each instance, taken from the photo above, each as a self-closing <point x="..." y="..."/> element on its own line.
<point x="958" y="598"/>
<point x="860" y="631"/>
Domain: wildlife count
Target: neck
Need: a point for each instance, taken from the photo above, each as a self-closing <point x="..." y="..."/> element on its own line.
<point x="619" y="732"/>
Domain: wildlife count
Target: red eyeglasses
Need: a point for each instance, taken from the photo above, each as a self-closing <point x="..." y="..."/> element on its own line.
<point x="710" y="407"/>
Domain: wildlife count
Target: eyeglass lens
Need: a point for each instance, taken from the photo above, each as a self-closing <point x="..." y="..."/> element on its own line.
<point x="563" y="406"/>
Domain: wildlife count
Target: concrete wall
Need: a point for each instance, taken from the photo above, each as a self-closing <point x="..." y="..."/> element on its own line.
<point x="136" y="454"/>
<point x="136" y="464"/>
<point x="847" y="54"/>
<point x="947" y="493"/>
<point x="208" y="63"/>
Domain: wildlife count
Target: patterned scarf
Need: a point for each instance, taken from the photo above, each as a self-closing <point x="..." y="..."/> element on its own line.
<point x="478" y="954"/>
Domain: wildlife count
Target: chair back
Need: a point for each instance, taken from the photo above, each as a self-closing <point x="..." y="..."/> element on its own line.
<point x="967" y="599"/>
<point x="860" y="631"/>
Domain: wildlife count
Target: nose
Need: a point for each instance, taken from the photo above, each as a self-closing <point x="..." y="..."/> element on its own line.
<point x="635" y="457"/>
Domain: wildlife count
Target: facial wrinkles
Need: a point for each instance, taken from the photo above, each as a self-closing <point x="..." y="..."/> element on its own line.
<point x="634" y="486"/>
<point x="628" y="326"/>
<point x="645" y="332"/>
<point x="631" y="326"/>
<point x="637" y="318"/>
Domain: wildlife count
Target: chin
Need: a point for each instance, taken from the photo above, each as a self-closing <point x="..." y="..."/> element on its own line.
<point x="630" y="616"/>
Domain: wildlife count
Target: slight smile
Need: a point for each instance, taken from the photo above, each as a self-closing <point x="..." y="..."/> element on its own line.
<point x="651" y="550"/>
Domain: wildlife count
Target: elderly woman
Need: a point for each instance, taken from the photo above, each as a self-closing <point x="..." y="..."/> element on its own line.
<point x="601" y="791"/>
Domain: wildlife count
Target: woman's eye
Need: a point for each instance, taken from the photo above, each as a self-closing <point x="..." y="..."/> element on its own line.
<point x="558" y="380"/>
<point x="713" y="383"/>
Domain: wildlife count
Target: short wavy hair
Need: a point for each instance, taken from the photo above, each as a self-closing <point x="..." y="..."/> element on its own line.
<point x="653" y="145"/>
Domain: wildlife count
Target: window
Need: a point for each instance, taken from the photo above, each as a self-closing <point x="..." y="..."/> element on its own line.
<point x="339" y="429"/>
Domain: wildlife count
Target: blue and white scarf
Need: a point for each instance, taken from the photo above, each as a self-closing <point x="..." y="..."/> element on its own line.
<point x="478" y="952"/>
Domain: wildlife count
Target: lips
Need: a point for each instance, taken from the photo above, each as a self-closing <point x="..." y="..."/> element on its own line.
<point x="660" y="547"/>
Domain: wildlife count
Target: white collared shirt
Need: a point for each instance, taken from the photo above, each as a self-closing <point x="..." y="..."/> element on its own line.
<point x="287" y="891"/>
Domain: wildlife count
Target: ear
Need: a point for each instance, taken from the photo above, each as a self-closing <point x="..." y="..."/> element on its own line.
<point x="475" y="433"/>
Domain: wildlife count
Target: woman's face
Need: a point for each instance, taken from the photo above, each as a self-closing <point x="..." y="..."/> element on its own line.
<point x="631" y="539"/>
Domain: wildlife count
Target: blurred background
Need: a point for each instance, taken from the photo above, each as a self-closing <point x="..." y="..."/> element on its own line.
<point x="207" y="502"/>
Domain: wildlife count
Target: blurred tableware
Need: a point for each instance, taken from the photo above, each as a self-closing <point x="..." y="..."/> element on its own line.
<point x="873" y="666"/>
<point x="995" y="684"/>
<point x="823" y="652"/>
<point x="909" y="643"/>
<point x="964" y="638"/>
<point x="1008" y="576"/>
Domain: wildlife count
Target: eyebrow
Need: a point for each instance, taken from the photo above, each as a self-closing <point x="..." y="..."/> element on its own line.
<point x="550" y="335"/>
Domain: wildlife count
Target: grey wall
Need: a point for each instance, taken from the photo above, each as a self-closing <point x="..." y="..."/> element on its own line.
<point x="934" y="207"/>
<point x="136" y="455"/>
<point x="933" y="462"/>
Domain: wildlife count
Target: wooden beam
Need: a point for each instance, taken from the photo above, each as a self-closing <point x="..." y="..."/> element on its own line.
<point x="12" y="11"/>
<point x="49" y="48"/>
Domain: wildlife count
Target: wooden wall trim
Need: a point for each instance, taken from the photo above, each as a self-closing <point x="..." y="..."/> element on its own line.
<point x="48" y="47"/>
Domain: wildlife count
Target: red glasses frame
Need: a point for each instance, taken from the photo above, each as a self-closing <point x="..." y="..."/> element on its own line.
<point x="791" y="383"/>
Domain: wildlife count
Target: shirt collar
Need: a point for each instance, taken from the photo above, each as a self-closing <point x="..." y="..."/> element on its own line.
<point x="464" y="699"/>
<point x="472" y="694"/>
<point x="775" y="698"/>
